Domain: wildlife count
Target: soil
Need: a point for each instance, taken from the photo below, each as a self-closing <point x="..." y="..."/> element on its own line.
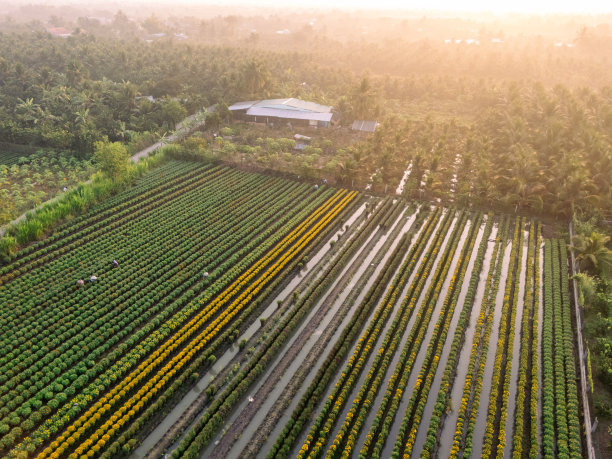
<point x="549" y="232"/>
<point x="602" y="439"/>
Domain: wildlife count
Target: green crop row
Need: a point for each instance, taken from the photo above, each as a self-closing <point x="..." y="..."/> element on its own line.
<point x="494" y="445"/>
<point x="526" y="404"/>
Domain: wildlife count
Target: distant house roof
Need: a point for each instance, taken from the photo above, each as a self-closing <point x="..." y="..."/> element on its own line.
<point x="59" y="31"/>
<point x="364" y="126"/>
<point x="291" y="104"/>
<point x="242" y="105"/>
<point x="288" y="114"/>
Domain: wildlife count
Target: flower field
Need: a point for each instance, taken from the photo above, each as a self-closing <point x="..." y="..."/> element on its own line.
<point x="82" y="363"/>
<point x="466" y="352"/>
<point x="348" y="326"/>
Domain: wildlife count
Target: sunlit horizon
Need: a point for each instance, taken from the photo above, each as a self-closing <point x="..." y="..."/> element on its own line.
<point x="467" y="6"/>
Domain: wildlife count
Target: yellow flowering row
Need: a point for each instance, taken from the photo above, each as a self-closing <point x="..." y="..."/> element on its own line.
<point x="317" y="437"/>
<point x="429" y="367"/>
<point x="375" y="377"/>
<point x="156" y="383"/>
<point x="528" y="345"/>
<point x="495" y="444"/>
<point x="470" y="399"/>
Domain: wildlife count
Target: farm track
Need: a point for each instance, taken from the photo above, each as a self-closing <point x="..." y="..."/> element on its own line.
<point x="495" y="433"/>
<point x="451" y="367"/>
<point x="436" y="357"/>
<point x="335" y="359"/>
<point x="415" y="352"/>
<point x="375" y="281"/>
<point x="458" y="375"/>
<point x="475" y="433"/>
<point x="391" y="350"/>
<point x="383" y="324"/>
<point x="377" y="257"/>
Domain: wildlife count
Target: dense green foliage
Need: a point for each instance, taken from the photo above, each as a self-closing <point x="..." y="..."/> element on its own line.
<point x="30" y="180"/>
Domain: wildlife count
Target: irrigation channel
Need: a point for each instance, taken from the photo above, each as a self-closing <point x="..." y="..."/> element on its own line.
<point x="420" y="334"/>
<point x="310" y="271"/>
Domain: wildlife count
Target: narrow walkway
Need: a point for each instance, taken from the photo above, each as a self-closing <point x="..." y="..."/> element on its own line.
<point x="590" y="451"/>
<point x="182" y="129"/>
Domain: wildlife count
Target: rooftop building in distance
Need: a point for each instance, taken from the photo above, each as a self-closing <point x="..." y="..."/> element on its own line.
<point x="294" y="111"/>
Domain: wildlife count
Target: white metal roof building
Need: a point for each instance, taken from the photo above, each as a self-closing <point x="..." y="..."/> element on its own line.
<point x="364" y="126"/>
<point x="292" y="110"/>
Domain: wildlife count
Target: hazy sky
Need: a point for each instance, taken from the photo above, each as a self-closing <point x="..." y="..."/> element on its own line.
<point x="523" y="6"/>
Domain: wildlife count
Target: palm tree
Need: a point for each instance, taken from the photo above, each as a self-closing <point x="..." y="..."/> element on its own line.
<point x="256" y="77"/>
<point x="592" y="253"/>
<point x="363" y="97"/>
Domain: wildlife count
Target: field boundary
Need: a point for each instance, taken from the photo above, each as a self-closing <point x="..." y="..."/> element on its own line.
<point x="581" y="355"/>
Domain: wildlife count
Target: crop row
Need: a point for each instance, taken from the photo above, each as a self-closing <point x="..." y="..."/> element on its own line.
<point x="496" y="420"/>
<point x="365" y="346"/>
<point x="43" y="263"/>
<point x="176" y="317"/>
<point x="315" y="391"/>
<point x="525" y="420"/>
<point x="73" y="318"/>
<point x="70" y="335"/>
<point x="146" y="303"/>
<point x="127" y="252"/>
<point x="568" y="354"/>
<point x="348" y="434"/>
<point x="138" y="196"/>
<point x="125" y="440"/>
<point x="85" y="255"/>
<point x="548" y="377"/>
<point x="416" y="405"/>
<point x="202" y="432"/>
<point x="443" y="398"/>
<point x="413" y="339"/>
<point x="269" y="266"/>
<point x="472" y="388"/>
<point x="560" y="423"/>
<point x="385" y="414"/>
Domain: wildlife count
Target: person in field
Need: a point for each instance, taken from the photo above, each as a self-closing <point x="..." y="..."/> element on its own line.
<point x="115" y="264"/>
<point x="93" y="278"/>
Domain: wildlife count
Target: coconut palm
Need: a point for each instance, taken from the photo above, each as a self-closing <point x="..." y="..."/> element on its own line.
<point x="592" y="253"/>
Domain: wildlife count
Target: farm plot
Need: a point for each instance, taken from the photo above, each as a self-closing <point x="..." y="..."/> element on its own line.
<point x="198" y="248"/>
<point x="414" y="331"/>
<point x="438" y="356"/>
<point x="27" y="181"/>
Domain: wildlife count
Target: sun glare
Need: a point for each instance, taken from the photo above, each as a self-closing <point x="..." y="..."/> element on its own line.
<point x="471" y="6"/>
